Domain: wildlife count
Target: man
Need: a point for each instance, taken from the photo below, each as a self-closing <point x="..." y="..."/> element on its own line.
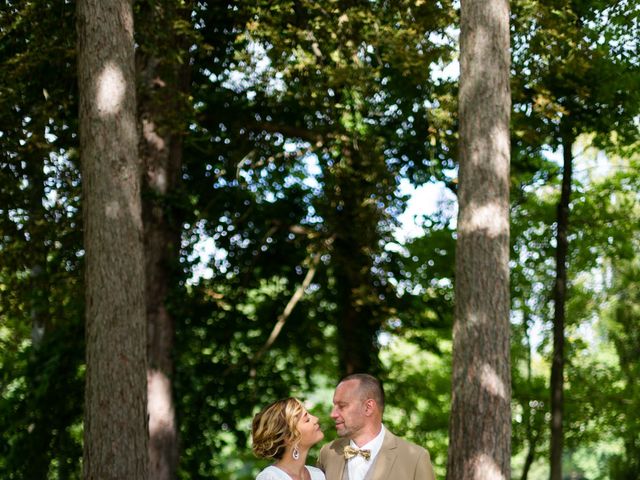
<point x="367" y="450"/>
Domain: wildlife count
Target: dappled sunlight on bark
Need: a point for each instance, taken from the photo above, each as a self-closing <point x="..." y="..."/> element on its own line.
<point x="483" y="467"/>
<point x="491" y="382"/>
<point x="489" y="218"/>
<point x="110" y="90"/>
<point x="160" y="403"/>
<point x="162" y="430"/>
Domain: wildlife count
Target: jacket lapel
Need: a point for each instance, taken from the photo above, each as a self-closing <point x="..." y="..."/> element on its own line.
<point x="386" y="457"/>
<point x="335" y="468"/>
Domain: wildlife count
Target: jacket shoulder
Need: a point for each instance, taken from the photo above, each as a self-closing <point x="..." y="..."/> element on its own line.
<point x="407" y="446"/>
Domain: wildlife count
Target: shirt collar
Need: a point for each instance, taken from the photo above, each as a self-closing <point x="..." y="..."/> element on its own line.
<point x="375" y="444"/>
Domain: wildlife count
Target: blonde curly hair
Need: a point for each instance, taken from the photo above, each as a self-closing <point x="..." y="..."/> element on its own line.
<point x="274" y="428"/>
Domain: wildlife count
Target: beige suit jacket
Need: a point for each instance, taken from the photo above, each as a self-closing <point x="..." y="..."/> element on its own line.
<point x="396" y="460"/>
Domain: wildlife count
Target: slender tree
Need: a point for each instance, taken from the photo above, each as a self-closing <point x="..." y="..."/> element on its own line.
<point x="115" y="426"/>
<point x="560" y="296"/>
<point x="480" y="422"/>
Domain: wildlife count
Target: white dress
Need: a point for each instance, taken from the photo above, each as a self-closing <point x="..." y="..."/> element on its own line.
<point x="274" y="473"/>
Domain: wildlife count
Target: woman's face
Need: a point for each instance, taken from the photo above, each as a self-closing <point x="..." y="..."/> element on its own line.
<point x="309" y="428"/>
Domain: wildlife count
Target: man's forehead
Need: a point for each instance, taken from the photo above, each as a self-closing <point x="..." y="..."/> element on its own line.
<point x="345" y="389"/>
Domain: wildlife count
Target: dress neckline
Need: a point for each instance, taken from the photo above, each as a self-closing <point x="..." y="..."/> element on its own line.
<point x="306" y="467"/>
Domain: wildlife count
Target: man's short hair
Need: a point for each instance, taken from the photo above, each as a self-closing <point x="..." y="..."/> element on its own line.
<point x="369" y="387"/>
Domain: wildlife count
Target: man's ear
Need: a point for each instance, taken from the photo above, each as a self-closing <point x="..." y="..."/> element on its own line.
<point x="369" y="407"/>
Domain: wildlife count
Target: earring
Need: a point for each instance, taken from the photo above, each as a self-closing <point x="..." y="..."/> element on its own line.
<point x="295" y="453"/>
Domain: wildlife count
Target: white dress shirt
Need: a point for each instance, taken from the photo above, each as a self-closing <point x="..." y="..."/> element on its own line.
<point x="358" y="466"/>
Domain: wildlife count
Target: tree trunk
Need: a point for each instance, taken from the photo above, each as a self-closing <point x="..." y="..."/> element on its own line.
<point x="480" y="422"/>
<point x="115" y="425"/>
<point x="559" y="296"/>
<point x="354" y="224"/>
<point x="163" y="81"/>
<point x="532" y="439"/>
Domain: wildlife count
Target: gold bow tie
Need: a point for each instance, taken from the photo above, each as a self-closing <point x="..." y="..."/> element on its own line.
<point x="350" y="452"/>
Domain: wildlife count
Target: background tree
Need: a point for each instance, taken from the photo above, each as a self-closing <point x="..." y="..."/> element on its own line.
<point x="115" y="426"/>
<point x="480" y="422"/>
<point x="559" y="299"/>
<point x="164" y="34"/>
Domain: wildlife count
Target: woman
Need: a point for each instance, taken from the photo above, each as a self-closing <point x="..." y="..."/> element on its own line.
<point x="285" y="431"/>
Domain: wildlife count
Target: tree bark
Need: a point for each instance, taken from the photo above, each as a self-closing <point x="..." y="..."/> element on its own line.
<point x="164" y="75"/>
<point x="163" y="83"/>
<point x="559" y="296"/>
<point x="115" y="426"/>
<point x="532" y="439"/>
<point x="480" y="421"/>
<point x="354" y="224"/>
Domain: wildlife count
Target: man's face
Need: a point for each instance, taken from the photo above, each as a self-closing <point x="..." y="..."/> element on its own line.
<point x="348" y="409"/>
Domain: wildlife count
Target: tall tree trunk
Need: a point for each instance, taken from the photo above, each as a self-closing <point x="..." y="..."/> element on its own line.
<point x="559" y="296"/>
<point x="532" y="439"/>
<point x="115" y="425"/>
<point x="480" y="422"/>
<point x="354" y="224"/>
<point x="357" y="328"/>
<point x="163" y="82"/>
<point x="162" y="242"/>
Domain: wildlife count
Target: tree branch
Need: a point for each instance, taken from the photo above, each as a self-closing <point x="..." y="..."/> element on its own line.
<point x="282" y="318"/>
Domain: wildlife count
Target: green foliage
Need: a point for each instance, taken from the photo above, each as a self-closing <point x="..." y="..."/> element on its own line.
<point x="623" y="321"/>
<point x="565" y="69"/>
<point x="418" y="389"/>
<point x="568" y="77"/>
<point x="40" y="250"/>
<point x="316" y="82"/>
<point x="40" y="414"/>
